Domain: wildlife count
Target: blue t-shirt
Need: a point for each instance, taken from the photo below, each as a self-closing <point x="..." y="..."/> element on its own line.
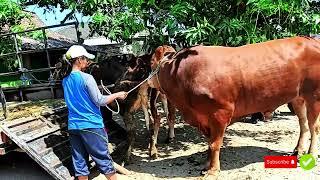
<point x="83" y="100"/>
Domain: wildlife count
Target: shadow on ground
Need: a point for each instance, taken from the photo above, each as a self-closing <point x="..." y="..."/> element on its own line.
<point x="231" y="158"/>
<point x="17" y="165"/>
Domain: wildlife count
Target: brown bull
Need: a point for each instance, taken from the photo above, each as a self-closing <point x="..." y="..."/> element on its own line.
<point x="213" y="85"/>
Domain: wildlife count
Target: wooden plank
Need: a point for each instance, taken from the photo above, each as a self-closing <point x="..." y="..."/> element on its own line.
<point x="19" y="121"/>
<point x="22" y="144"/>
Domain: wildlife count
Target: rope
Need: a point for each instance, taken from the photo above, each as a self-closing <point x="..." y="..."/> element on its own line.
<point x="109" y="92"/>
<point x="149" y="77"/>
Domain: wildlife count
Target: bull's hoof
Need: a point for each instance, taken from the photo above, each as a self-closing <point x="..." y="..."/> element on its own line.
<point x="204" y="171"/>
<point x="294" y="153"/>
<point x="154" y="156"/>
<point x="297" y="153"/>
<point x="153" y="153"/>
<point x="169" y="140"/>
<point x="211" y="175"/>
<point x="205" y="168"/>
<point x="126" y="160"/>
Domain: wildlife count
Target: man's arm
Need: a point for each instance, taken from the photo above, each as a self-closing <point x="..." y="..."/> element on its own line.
<point x="97" y="97"/>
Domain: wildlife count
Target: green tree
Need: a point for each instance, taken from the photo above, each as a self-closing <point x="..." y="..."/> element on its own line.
<point x="189" y="22"/>
<point x="11" y="15"/>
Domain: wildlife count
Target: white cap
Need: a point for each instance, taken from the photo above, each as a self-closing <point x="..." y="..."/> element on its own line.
<point x="77" y="51"/>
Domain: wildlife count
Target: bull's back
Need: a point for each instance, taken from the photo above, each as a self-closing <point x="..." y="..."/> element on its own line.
<point x="255" y="78"/>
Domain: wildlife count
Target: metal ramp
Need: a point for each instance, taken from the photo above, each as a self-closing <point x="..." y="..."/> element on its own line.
<point x="44" y="141"/>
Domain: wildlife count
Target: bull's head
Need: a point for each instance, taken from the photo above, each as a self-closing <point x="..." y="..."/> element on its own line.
<point x="158" y="56"/>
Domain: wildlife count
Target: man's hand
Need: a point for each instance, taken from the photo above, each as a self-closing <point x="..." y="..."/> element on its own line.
<point x="122" y="95"/>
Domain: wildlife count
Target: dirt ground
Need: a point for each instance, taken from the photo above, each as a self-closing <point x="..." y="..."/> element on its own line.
<point x="242" y="153"/>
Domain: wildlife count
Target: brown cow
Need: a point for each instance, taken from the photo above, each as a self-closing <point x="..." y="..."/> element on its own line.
<point x="139" y="68"/>
<point x="213" y="85"/>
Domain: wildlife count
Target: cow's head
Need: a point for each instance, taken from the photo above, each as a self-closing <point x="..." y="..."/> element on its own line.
<point x="138" y="70"/>
<point x="159" y="54"/>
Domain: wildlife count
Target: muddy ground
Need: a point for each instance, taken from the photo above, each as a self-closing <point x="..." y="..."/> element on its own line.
<point x="242" y="153"/>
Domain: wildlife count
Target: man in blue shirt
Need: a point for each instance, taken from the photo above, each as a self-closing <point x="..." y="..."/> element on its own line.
<point x="85" y="122"/>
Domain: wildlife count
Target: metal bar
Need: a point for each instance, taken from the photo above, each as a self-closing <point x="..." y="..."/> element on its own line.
<point x="36" y="51"/>
<point x="17" y="50"/>
<point x="27" y="70"/>
<point x="39" y="28"/>
<point x="20" y="62"/>
<point x="34" y="87"/>
<point x="46" y="47"/>
<point x="78" y="37"/>
<point x="48" y="58"/>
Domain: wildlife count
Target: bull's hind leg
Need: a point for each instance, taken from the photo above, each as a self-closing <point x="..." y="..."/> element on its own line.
<point x="313" y="109"/>
<point x="143" y="94"/>
<point x="170" y="112"/>
<point x="217" y="124"/>
<point x="299" y="107"/>
<point x="171" y="121"/>
<point x="154" y="127"/>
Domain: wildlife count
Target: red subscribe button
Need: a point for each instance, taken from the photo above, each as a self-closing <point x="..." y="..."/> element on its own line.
<point x="280" y="161"/>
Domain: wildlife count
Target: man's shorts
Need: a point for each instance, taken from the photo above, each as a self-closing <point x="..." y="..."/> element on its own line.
<point x="91" y="143"/>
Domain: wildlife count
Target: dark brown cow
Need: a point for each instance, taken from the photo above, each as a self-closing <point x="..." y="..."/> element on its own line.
<point x="139" y="68"/>
<point x="212" y="85"/>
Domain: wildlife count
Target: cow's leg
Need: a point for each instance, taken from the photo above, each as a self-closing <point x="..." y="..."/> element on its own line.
<point x="144" y="103"/>
<point x="154" y="127"/>
<point x="299" y="107"/>
<point x="146" y="114"/>
<point x="164" y="101"/>
<point x="217" y="124"/>
<point x="171" y="121"/>
<point x="267" y="116"/>
<point x="255" y="117"/>
<point x="131" y="129"/>
<point x="313" y="109"/>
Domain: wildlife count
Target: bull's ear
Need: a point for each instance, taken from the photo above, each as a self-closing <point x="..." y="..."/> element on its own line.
<point x="159" y="53"/>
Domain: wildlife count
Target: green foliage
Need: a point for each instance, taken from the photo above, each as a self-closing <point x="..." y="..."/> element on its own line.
<point x="11" y="15"/>
<point x="189" y="22"/>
